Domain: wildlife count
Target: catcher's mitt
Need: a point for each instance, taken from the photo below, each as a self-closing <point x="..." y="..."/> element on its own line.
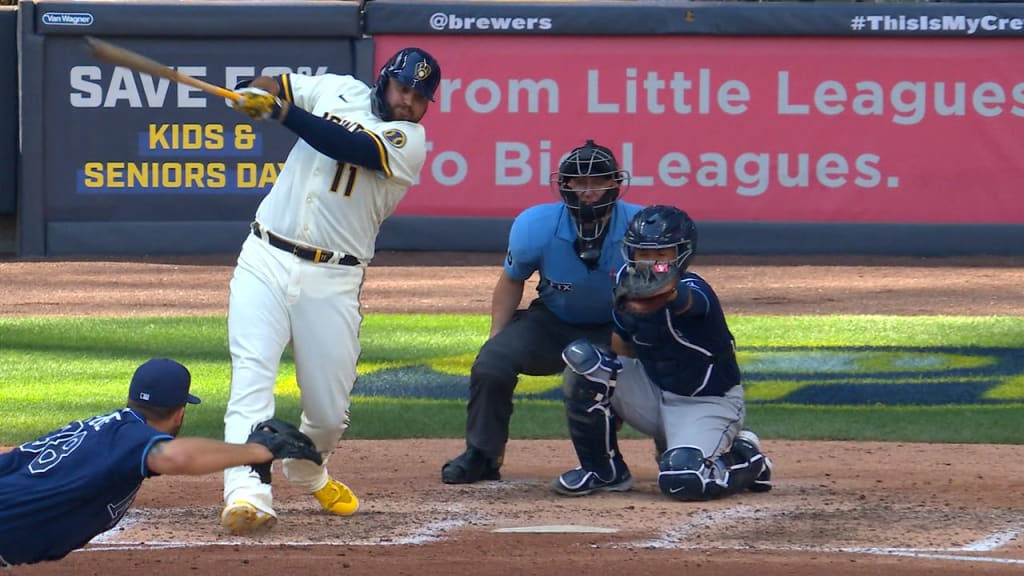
<point x="642" y="291"/>
<point x="284" y="441"/>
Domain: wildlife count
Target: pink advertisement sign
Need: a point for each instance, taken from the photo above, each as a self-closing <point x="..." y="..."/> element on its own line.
<point x="900" y="130"/>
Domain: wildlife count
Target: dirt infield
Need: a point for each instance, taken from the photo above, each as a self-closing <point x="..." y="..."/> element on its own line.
<point x="838" y="507"/>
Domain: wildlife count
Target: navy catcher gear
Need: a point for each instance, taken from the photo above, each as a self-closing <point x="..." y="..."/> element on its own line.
<point x="685" y="474"/>
<point x="590" y="361"/>
<point x="645" y="290"/>
<point x="657" y="227"/>
<point x="748" y="446"/>
<point x="594" y="161"/>
<point x="415" y="68"/>
<point x="592" y="426"/>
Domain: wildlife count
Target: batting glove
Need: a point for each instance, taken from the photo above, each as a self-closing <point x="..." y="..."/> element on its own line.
<point x="257" y="104"/>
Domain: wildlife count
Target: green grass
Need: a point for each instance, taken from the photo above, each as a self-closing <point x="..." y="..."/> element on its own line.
<point x="53" y="370"/>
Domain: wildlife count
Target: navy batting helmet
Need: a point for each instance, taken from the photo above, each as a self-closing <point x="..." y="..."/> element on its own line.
<point x="595" y="161"/>
<point x="415" y="68"/>
<point x="657" y="227"/>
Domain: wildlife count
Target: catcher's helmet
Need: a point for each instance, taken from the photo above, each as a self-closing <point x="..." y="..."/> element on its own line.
<point x="595" y="161"/>
<point x="415" y="68"/>
<point x="657" y="227"/>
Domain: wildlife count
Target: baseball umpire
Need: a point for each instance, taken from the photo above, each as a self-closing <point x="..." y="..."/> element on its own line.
<point x="61" y="490"/>
<point x="574" y="246"/>
<point x="671" y="374"/>
<point x="299" y="273"/>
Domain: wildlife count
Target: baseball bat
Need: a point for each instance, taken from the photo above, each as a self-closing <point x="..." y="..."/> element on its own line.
<point x="102" y="50"/>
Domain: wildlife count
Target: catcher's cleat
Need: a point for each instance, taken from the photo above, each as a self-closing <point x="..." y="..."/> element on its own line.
<point x="579" y="482"/>
<point x="241" y="517"/>
<point x="763" y="482"/>
<point x="469" y="467"/>
<point x="337" y="498"/>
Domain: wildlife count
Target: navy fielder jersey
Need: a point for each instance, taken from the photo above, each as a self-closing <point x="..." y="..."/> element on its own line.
<point x="61" y="490"/>
<point x="543" y="239"/>
<point x="690" y="354"/>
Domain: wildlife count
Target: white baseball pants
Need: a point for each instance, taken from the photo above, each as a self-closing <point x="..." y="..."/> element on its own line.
<point x="277" y="298"/>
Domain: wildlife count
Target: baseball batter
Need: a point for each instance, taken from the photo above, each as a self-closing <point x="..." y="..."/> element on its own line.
<point x="671" y="373"/>
<point x="61" y="490"/>
<point x="299" y="273"/>
<point x="574" y="246"/>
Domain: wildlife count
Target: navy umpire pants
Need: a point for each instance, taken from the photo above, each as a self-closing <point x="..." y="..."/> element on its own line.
<point x="531" y="344"/>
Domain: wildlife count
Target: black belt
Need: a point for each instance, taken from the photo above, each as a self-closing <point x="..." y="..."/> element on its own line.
<point x="317" y="255"/>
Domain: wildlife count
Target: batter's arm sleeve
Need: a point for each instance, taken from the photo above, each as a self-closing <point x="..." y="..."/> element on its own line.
<point x="196" y="456"/>
<point x="508" y="292"/>
<point x="334" y="141"/>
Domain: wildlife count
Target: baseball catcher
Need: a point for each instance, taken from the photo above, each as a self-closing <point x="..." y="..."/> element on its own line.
<point x="283" y="440"/>
<point x="671" y="373"/>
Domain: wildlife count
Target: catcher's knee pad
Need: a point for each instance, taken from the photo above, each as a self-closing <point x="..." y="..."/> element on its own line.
<point x="684" y="473"/>
<point x="590" y="373"/>
<point x="596" y="363"/>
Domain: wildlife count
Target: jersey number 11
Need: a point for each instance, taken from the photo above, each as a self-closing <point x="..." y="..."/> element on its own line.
<point x="350" y="182"/>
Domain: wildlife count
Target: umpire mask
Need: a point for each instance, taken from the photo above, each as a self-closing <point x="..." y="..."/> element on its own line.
<point x="589" y="182"/>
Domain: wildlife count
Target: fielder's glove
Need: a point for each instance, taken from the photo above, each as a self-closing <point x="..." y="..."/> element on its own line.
<point x="284" y="441"/>
<point x="257" y="104"/>
<point x="641" y="291"/>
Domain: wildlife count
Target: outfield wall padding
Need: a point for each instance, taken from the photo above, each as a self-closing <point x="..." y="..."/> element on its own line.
<point x="796" y="128"/>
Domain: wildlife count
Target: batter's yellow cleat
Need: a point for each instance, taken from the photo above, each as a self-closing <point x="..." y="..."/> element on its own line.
<point x="241" y="517"/>
<point x="337" y="498"/>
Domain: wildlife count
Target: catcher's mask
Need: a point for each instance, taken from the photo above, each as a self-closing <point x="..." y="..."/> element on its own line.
<point x="589" y="169"/>
<point x="656" y="228"/>
<point x="415" y="68"/>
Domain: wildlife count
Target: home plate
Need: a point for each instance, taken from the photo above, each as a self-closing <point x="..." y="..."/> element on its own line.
<point x="556" y="528"/>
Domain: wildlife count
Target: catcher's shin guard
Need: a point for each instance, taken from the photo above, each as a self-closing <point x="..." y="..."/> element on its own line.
<point x="592" y="426"/>
<point x="685" y="474"/>
<point x="751" y="469"/>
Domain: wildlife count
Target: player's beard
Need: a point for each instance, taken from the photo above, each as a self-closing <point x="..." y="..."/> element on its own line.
<point x="403" y="113"/>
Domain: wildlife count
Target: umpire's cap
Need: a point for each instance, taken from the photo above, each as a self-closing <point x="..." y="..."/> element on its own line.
<point x="162" y="382"/>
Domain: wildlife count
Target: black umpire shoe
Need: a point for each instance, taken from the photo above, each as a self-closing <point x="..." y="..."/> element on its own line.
<point x="471" y="466"/>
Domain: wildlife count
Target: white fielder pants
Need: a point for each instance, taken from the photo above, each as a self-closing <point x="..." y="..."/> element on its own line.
<point x="277" y="298"/>
<point x="706" y="422"/>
